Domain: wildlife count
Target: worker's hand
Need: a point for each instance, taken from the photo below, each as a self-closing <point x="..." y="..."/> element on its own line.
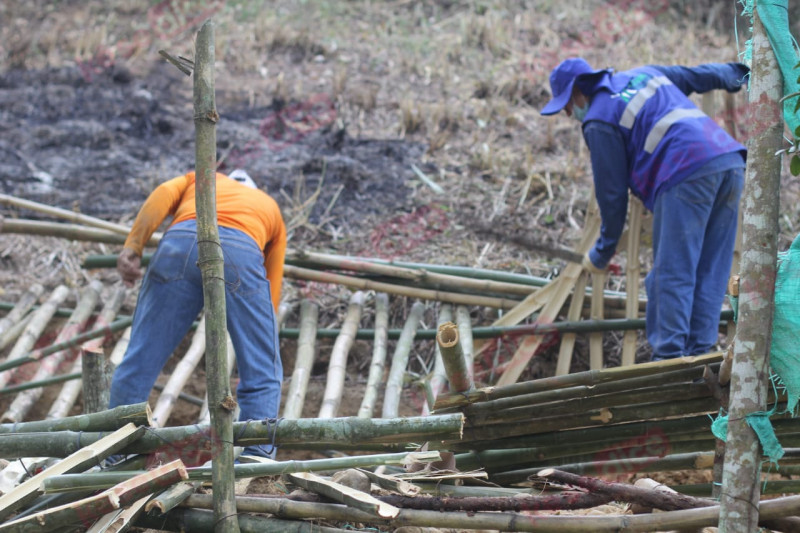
<point x="129" y="266"/>
<point x="590" y="267"/>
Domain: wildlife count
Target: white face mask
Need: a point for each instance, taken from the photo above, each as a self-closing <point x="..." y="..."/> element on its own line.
<point x="579" y="113"/>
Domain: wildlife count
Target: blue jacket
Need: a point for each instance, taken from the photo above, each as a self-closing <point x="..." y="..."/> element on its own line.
<point x="645" y="134"/>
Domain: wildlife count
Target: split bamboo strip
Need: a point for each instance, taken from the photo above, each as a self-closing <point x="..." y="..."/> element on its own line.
<point x="564" y="283"/>
<point x="180" y="375"/>
<point x="72" y="232"/>
<point x="378" y="364"/>
<point x="453" y="357"/>
<point x="81" y="459"/>
<point x="596" y="338"/>
<point x="112" y="419"/>
<point x="41" y="317"/>
<point x="567" y="346"/>
<point x="21" y="308"/>
<point x="120" y="520"/>
<point x="87" y="510"/>
<point x="401" y="290"/>
<point x="391" y="483"/>
<point x="464" y="322"/>
<point x="343" y="494"/>
<point x="23" y="403"/>
<point x="91" y="362"/>
<point x="199" y="521"/>
<point x="438" y="377"/>
<point x="306" y="348"/>
<point x="394" y="383"/>
<point x="632" y="268"/>
<point x="15" y="331"/>
<point x="303" y="433"/>
<point x="590" y="377"/>
<point x="337" y="367"/>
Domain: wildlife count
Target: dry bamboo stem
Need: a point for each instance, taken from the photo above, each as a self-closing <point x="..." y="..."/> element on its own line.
<point x="21" y="308"/>
<point x="464" y="322"/>
<point x="15" y="331"/>
<point x="24" y="401"/>
<point x="378" y="364"/>
<point x="92" y="354"/>
<point x="394" y="383"/>
<point x="72" y="232"/>
<point x="109" y="420"/>
<point x="453" y="357"/>
<point x="41" y="317"/>
<point x="306" y="348"/>
<point x="567" y="346"/>
<point x="596" y="339"/>
<point x="632" y="277"/>
<point x="337" y="368"/>
<point x="182" y="373"/>
<point x="438" y="377"/>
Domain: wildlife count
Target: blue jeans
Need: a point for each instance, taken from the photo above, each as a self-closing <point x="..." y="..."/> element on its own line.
<point x="694" y="232"/>
<point x="170" y="299"/>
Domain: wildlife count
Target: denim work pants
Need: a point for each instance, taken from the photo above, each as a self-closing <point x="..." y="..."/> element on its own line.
<point x="170" y="299"/>
<point x="694" y="232"/>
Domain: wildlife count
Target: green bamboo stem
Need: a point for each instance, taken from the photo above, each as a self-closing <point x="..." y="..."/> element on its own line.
<point x="376" y="367"/>
<point x="465" y="334"/>
<point x="24" y="401"/>
<point x="109" y="420"/>
<point x="21" y="308"/>
<point x="74" y="232"/>
<point x="438" y="377"/>
<point x="38" y="384"/>
<point x="591" y="377"/>
<point x="295" y="398"/>
<point x="303" y="433"/>
<point x="337" y="367"/>
<point x="453" y="357"/>
<point x="171" y="497"/>
<point x="199" y="521"/>
<point x="394" y="383"/>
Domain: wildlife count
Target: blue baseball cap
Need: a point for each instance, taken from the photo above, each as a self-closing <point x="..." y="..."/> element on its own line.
<point x="562" y="79"/>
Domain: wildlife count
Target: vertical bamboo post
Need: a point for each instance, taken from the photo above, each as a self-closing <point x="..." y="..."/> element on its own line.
<point x="635" y="208"/>
<point x="394" y="383"/>
<point x="337" y="367"/>
<point x="306" y="347"/>
<point x="596" y="338"/>
<point x="378" y="364"/>
<point x="761" y="200"/>
<point x="458" y="376"/>
<point x="438" y="377"/>
<point x="567" y="346"/>
<point x="464" y="322"/>
<point x="211" y="263"/>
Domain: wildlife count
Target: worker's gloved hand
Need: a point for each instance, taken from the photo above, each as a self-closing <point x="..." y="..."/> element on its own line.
<point x="129" y="266"/>
<point x="590" y="267"/>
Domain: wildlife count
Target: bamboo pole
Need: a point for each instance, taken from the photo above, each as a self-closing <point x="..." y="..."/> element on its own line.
<point x="567" y="346"/>
<point x="464" y="322"/>
<point x="21" y="308"/>
<point x="180" y="375"/>
<point x="760" y="205"/>
<point x="91" y="362"/>
<point x="337" y="367"/>
<point x="41" y="317"/>
<point x="13" y="333"/>
<point x="172" y="497"/>
<point x="453" y="357"/>
<point x="306" y="348"/>
<point x="199" y="521"/>
<point x="38" y="384"/>
<point x="24" y="401"/>
<point x="438" y="377"/>
<point x="378" y="364"/>
<point x="109" y="420"/>
<point x="635" y="211"/>
<point x="72" y="232"/>
<point x="394" y="383"/>
<point x="596" y="339"/>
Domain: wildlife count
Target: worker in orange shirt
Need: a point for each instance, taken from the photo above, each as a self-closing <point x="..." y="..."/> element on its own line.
<point x="253" y="239"/>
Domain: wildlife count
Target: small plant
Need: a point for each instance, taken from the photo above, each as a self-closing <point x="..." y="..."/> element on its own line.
<point x="794" y="164"/>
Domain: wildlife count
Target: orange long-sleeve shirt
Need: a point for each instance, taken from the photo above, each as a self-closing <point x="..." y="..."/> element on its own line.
<point x="249" y="210"/>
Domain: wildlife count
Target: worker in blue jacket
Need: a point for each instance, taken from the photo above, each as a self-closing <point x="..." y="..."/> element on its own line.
<point x="646" y="135"/>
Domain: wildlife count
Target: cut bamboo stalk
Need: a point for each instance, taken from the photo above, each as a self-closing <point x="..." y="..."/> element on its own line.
<point x="83" y="458"/>
<point x="337" y="367"/>
<point x="394" y="383"/>
<point x="632" y="277"/>
<point x="564" y="285"/>
<point x="182" y="373"/>
<point x="37" y="325"/>
<point x="13" y="333"/>
<point x="91" y="362"/>
<point x="171" y="497"/>
<point x="567" y="345"/>
<point x="453" y="357"/>
<point x="596" y="339"/>
<point x="121" y="520"/>
<point x="378" y="364"/>
<point x="401" y="290"/>
<point x="24" y="401"/>
<point x="438" y="377"/>
<point x="668" y="463"/>
<point x="343" y="494"/>
<point x="334" y="433"/>
<point x="391" y="483"/>
<point x="304" y="362"/>
<point x="109" y="420"/>
<point x="464" y="322"/>
<point x="89" y="509"/>
<point x="73" y="232"/>
<point x="119" y="350"/>
<point x="21" y="308"/>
